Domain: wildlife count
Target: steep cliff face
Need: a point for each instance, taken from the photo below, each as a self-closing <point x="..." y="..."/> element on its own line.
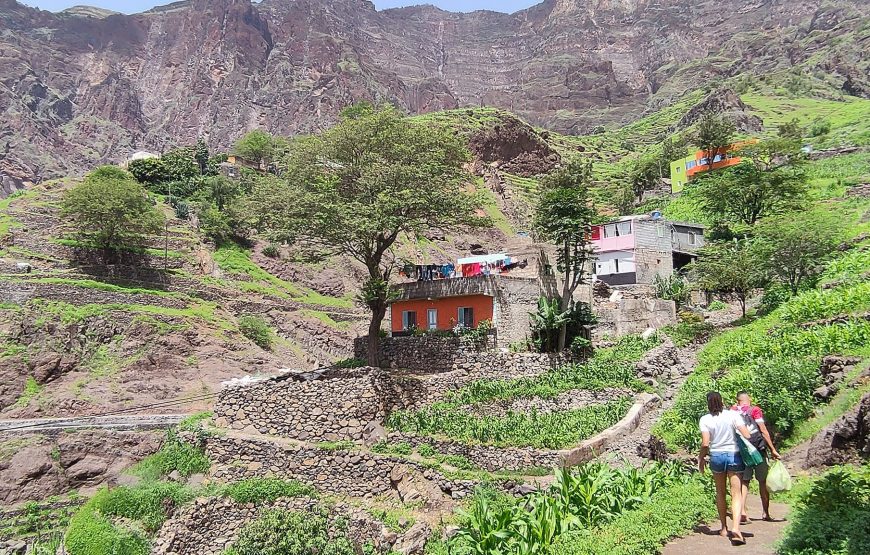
<point x="76" y="90"/>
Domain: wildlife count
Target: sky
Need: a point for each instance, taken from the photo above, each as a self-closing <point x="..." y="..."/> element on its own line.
<point x="133" y="6"/>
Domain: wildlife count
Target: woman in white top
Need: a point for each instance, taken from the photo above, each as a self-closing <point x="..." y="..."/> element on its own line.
<point x="719" y="431"/>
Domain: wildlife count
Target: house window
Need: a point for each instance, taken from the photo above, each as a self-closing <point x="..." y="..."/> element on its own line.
<point x="466" y="317"/>
<point x="432" y="318"/>
<point x="409" y="319"/>
<point x="618" y="229"/>
<point x="660" y="230"/>
<point x="678" y="169"/>
<point x="692" y="238"/>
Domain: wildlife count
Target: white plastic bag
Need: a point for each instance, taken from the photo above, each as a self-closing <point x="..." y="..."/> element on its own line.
<point x="778" y="478"/>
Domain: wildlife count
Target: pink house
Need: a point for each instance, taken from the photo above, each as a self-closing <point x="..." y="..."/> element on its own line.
<point x="633" y="249"/>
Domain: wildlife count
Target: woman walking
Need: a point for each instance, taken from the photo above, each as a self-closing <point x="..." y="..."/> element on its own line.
<point x="719" y="429"/>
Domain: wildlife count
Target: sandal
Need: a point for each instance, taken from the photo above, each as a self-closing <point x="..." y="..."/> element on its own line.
<point x="737" y="539"/>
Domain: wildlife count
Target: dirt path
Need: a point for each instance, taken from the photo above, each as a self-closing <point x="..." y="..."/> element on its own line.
<point x="680" y="363"/>
<point x="761" y="537"/>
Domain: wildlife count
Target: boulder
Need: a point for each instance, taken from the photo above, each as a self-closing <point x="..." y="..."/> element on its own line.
<point x="414" y="540"/>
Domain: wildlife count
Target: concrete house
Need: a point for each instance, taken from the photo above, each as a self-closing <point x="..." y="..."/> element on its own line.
<point x="633" y="249"/>
<point x="495" y="288"/>
<point x="684" y="169"/>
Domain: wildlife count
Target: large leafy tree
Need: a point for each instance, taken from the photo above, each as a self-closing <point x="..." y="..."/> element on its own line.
<point x="564" y="216"/>
<point x="746" y="193"/>
<point x="794" y="248"/>
<point x="257" y="146"/>
<point x="357" y="188"/>
<point x="713" y="134"/>
<point x="730" y="270"/>
<point x="111" y="211"/>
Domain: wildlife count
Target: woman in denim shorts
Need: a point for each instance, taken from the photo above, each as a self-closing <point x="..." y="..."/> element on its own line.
<point x="719" y="429"/>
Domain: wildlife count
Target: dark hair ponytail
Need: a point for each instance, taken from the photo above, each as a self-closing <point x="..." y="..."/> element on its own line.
<point x="714" y="403"/>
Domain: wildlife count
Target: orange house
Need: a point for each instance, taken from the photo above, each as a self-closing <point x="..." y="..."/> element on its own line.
<point x="440" y="305"/>
<point x="440" y="313"/>
<point x="684" y="169"/>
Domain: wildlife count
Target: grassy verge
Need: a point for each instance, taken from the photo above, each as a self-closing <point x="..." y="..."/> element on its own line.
<point x="831" y="515"/>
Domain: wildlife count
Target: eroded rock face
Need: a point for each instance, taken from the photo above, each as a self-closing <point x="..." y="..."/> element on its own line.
<point x="81" y="90"/>
<point x="36" y="467"/>
<point x="728" y="104"/>
<point x="846" y="440"/>
<point x="515" y="147"/>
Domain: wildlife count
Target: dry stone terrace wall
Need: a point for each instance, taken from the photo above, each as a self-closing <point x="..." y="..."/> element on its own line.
<point x="433" y="354"/>
<point x="338" y="472"/>
<point x="209" y="526"/>
<point x="487" y="457"/>
<point x="342" y="404"/>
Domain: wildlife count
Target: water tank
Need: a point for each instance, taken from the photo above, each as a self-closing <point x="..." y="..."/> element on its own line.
<point x="656" y="215"/>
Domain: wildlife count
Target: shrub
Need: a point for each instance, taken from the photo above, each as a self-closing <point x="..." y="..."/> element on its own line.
<point x="426" y="450"/>
<point x="271" y="250"/>
<point x="266" y="490"/>
<point x="717" y="305"/>
<point x="182" y="210"/>
<point x="819" y="127"/>
<point x="773" y="297"/>
<point x="90" y="533"/>
<point x="684" y="333"/>
<point x="672" y="288"/>
<point x="91" y="529"/>
<point x="174" y="455"/>
<point x="256" y="329"/>
<point x="689" y="317"/>
<point x="146" y="503"/>
<point x="284" y="532"/>
<point x="832" y="516"/>
<point x="351" y="363"/>
<point x="215" y="224"/>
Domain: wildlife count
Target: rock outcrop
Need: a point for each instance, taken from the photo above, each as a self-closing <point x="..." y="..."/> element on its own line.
<point x="846" y="440"/>
<point x="84" y="86"/>
<point x="36" y="467"/>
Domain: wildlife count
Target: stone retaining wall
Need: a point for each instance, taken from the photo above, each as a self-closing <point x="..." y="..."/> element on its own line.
<point x="344" y="404"/>
<point x="487" y="457"/>
<point x="211" y="525"/>
<point x="338" y="472"/>
<point x="434" y="354"/>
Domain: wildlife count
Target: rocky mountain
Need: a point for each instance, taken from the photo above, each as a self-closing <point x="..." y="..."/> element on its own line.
<point x="82" y="87"/>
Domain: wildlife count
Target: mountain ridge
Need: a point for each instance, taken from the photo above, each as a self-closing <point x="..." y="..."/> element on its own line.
<point x="81" y="90"/>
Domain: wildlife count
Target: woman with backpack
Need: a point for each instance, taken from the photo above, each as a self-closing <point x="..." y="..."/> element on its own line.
<point x="719" y="429"/>
<point x="753" y="418"/>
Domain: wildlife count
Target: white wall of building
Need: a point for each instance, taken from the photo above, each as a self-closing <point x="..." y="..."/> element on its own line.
<point x="616" y="262"/>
